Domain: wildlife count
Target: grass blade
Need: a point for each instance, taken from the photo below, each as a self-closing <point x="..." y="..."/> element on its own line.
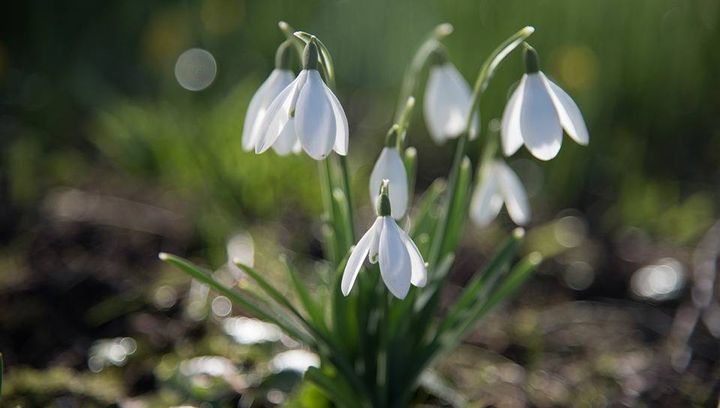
<point x="236" y="297"/>
<point x="311" y="307"/>
<point x="472" y="292"/>
<point x="330" y="387"/>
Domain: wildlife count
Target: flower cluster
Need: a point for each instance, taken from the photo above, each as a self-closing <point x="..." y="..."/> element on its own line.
<point x="377" y="342"/>
<point x="292" y="114"/>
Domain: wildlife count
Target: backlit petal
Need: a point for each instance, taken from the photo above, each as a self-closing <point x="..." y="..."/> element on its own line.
<point x="539" y="121"/>
<point x="278" y="113"/>
<point x="510" y="131"/>
<point x="342" y="131"/>
<point x="447" y="100"/>
<point x="278" y="80"/>
<point x="395" y="266"/>
<point x="315" y="121"/>
<point x="418" y="275"/>
<point x="569" y="113"/>
<point x="486" y="201"/>
<point x="390" y="166"/>
<point x="355" y="261"/>
<point x="513" y="193"/>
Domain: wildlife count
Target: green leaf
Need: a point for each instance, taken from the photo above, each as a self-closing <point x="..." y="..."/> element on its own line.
<point x="236" y="297"/>
<point x="333" y="388"/>
<point x="311" y="307"/>
<point x="480" y="281"/>
<point x="456" y="215"/>
<point x="425" y="217"/>
<point x="274" y="294"/>
<point x="518" y="276"/>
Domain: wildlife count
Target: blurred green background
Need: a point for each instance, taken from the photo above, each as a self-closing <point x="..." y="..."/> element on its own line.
<point x="105" y="159"/>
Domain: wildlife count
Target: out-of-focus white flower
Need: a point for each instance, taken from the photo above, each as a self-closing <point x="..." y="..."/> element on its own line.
<point x="498" y="185"/>
<point x="389" y="166"/>
<point x="401" y="263"/>
<point x="447" y="103"/>
<point x="306" y="114"/>
<point x="537" y="113"/>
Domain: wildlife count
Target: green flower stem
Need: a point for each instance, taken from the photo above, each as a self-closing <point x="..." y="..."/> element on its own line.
<point x="330" y="232"/>
<point x="418" y="62"/>
<point x="440" y="242"/>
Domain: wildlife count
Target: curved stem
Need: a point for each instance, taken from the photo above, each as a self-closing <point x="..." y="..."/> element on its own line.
<point x="481" y="83"/>
<point x="418" y="62"/>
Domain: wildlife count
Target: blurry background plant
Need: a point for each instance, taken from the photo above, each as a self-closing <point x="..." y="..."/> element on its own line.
<point x="95" y="126"/>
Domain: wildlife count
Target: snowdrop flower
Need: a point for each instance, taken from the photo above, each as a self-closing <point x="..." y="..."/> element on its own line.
<point x="537" y="113"/>
<point x="400" y="261"/>
<point x="447" y="101"/>
<point x="279" y="79"/>
<point x="498" y="185"/>
<point x="306" y="112"/>
<point x="389" y="166"/>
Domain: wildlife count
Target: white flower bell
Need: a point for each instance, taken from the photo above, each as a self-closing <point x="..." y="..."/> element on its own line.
<point x="279" y="79"/>
<point x="401" y="263"/>
<point x="498" y="185"/>
<point x="389" y="166"/>
<point x="447" y="102"/>
<point x="306" y="113"/>
<point x="537" y="113"/>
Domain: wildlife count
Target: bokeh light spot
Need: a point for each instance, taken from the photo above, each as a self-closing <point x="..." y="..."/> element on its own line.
<point x="195" y="69"/>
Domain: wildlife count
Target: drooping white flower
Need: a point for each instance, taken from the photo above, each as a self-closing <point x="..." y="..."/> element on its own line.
<point x="401" y="263"/>
<point x="537" y="113"/>
<point x="278" y="80"/>
<point x="499" y="185"/>
<point x="308" y="112"/>
<point x="389" y="166"/>
<point x="447" y="103"/>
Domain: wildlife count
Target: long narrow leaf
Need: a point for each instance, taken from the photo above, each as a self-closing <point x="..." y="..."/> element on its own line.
<point x="332" y="388"/>
<point x="424" y="220"/>
<point x="456" y="215"/>
<point x="472" y="292"/>
<point x="274" y="294"/>
<point x="312" y="308"/>
<point x="238" y="298"/>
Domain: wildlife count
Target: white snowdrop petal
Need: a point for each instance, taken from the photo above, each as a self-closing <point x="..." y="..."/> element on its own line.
<point x="447" y="97"/>
<point x="510" y="132"/>
<point x="287" y="140"/>
<point x="375" y="241"/>
<point x="459" y="96"/>
<point x="513" y="193"/>
<point x="539" y="121"/>
<point x="278" y="80"/>
<point x="568" y="111"/>
<point x="315" y="124"/>
<point x="355" y="261"/>
<point x="342" y="131"/>
<point x="277" y="115"/>
<point x="395" y="267"/>
<point x="418" y="274"/>
<point x="390" y="166"/>
<point x="486" y="201"/>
